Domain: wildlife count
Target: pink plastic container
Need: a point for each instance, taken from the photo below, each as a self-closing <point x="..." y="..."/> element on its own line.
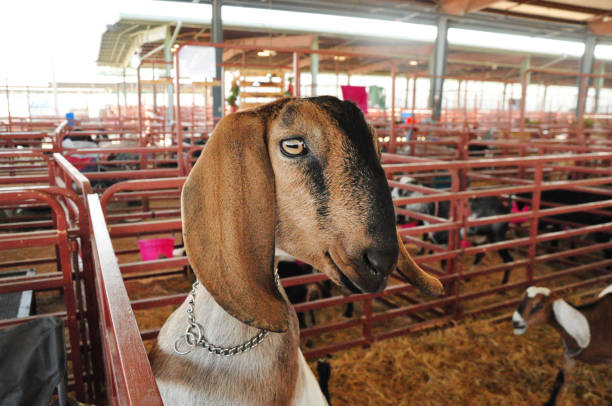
<point x="514" y="209"/>
<point x="79" y="163"/>
<point x="156" y="248"/>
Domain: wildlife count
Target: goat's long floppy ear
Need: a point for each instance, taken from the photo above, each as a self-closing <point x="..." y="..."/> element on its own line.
<point x="406" y="266"/>
<point x="228" y="214"/>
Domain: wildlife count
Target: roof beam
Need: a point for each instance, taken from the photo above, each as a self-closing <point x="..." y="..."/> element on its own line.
<point x="601" y="26"/>
<point x="462" y="7"/>
<point x="369" y="68"/>
<point x="285" y="41"/>
<point x="563" y="6"/>
<point x="538" y="17"/>
<point x="305" y="62"/>
<point x="399" y="50"/>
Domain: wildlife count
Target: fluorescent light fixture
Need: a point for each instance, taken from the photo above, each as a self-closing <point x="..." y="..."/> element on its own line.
<point x="323" y="23"/>
<point x="266" y="19"/>
<point x="512" y="42"/>
<point x="339" y="58"/>
<point x="414" y="63"/>
<point x="603" y="52"/>
<point x="266" y="53"/>
<point x="293" y="21"/>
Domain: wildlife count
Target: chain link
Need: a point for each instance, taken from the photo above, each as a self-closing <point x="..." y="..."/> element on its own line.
<point x="193" y="335"/>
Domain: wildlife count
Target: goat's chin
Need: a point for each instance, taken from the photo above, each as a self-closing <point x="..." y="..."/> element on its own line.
<point x="335" y="273"/>
<point x="519" y="331"/>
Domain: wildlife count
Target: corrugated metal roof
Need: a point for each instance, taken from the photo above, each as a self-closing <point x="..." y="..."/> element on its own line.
<point x="121" y="39"/>
<point x="117" y="43"/>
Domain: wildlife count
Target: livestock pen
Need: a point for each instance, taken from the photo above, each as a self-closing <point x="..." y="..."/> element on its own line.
<point x="143" y="293"/>
<point x="139" y="198"/>
<point x="398" y="310"/>
<point x="45" y="230"/>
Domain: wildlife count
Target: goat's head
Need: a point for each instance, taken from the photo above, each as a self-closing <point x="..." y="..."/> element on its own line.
<point x="303" y="175"/>
<point x="535" y="309"/>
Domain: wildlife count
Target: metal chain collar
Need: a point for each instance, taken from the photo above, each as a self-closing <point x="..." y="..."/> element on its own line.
<point x="193" y="335"/>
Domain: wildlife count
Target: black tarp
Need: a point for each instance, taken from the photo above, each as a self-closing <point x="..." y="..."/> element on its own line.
<point x="32" y="362"/>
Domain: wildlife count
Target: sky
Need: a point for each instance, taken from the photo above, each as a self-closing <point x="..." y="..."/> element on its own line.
<point x="37" y="35"/>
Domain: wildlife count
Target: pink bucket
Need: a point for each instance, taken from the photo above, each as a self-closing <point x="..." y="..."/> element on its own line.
<point x="156" y="248"/>
<point x="79" y="163"/>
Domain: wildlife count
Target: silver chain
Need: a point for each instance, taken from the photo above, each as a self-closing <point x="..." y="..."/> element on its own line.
<point x="193" y="335"/>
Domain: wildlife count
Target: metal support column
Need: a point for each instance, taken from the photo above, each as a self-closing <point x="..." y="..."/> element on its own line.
<point x="586" y="66"/>
<point x="598" y="83"/>
<point x="543" y="105"/>
<point x="314" y="67"/>
<point x="29" y="104"/>
<point x="125" y="101"/>
<point x="168" y="72"/>
<point x="526" y="64"/>
<point x="439" y="68"/>
<point x="54" y="83"/>
<point x="217" y="37"/>
<point x="8" y="103"/>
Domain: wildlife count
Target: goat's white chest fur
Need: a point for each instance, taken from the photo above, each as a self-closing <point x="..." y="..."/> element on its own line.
<point x="273" y="373"/>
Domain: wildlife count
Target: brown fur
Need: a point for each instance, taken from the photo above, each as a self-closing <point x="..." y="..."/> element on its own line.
<point x="598" y="314"/>
<point x="538" y="310"/>
<point x="227" y="207"/>
<point x="243" y="198"/>
<point x="330" y="208"/>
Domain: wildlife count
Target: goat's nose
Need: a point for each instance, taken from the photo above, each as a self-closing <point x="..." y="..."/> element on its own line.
<point x="517" y="324"/>
<point x="380" y="261"/>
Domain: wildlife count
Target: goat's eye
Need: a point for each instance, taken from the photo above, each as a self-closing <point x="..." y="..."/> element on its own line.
<point x="537" y="307"/>
<point x="293" y="147"/>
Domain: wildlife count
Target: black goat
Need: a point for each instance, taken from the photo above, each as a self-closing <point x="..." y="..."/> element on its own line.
<point x="302" y="293"/>
<point x="570" y="197"/>
<point x="324" y="373"/>
<point x="288" y="267"/>
<point x="479" y="207"/>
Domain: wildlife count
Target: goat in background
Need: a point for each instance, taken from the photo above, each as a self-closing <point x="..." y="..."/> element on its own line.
<point x="479" y="208"/>
<point x="586" y="331"/>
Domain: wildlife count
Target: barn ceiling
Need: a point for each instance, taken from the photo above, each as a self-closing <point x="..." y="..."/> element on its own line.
<point x="120" y="40"/>
<point x="552" y="17"/>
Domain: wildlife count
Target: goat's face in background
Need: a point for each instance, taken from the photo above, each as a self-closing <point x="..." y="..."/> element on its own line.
<point x="334" y="210"/>
<point x="534" y="309"/>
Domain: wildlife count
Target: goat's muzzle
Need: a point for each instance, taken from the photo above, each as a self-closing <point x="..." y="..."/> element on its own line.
<point x="367" y="272"/>
<point x="518" y="323"/>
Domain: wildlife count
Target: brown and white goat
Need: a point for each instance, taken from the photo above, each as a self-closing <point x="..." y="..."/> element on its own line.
<point x="301" y="175"/>
<point x="586" y="331"/>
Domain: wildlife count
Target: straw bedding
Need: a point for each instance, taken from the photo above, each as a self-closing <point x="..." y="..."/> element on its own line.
<point x="476" y="363"/>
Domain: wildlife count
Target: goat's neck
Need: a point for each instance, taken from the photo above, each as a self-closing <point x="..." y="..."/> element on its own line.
<point x="266" y="374"/>
<point x="218" y="327"/>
